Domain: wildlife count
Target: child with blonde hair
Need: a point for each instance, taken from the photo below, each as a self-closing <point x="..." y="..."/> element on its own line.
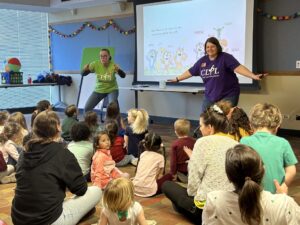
<point x="276" y="152"/>
<point x="136" y="131"/>
<point x="71" y="112"/>
<point x="19" y="118"/>
<point x="103" y="166"/>
<point x="119" y="206"/>
<point x="150" y="166"/>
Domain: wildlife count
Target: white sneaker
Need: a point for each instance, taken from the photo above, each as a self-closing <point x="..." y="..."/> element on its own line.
<point x="134" y="161"/>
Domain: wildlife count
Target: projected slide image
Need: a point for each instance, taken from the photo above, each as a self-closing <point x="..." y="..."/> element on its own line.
<point x="174" y="41"/>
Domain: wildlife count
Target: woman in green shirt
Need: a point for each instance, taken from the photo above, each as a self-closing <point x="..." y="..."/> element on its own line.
<point x="106" y="82"/>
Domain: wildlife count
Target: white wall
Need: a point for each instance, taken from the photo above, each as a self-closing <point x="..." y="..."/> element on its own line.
<point x="282" y="90"/>
<point x="89" y="14"/>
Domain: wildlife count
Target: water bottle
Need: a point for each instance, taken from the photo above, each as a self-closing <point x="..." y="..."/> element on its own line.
<point x="29" y="80"/>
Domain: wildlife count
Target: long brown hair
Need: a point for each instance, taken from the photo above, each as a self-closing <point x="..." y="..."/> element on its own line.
<point x="45" y="128"/>
<point x="244" y="168"/>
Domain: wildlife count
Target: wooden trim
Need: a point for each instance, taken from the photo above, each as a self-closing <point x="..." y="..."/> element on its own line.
<point x="91" y="19"/>
<point x="283" y="73"/>
<point x="78" y="72"/>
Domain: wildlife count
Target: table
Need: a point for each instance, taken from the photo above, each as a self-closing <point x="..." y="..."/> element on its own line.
<point x="178" y="89"/>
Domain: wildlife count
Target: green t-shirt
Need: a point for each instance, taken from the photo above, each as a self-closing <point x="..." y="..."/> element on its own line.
<point x="276" y="154"/>
<point x="106" y="81"/>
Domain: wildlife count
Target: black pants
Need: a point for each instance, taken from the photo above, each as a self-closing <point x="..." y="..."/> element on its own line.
<point x="182" y="203"/>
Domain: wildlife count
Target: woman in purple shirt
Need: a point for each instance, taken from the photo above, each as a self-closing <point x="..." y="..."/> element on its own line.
<point x="217" y="69"/>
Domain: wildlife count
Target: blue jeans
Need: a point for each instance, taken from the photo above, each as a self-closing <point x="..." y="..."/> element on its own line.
<point x="95" y="98"/>
<point x="207" y="103"/>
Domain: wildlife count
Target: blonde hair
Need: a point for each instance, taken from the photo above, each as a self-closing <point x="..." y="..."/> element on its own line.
<point x="19" y="118"/>
<point x="141" y="119"/>
<point x="118" y="195"/>
<point x="265" y="116"/>
<point x="182" y="127"/>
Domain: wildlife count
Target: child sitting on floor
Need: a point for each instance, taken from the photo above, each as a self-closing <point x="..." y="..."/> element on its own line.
<point x="68" y="122"/>
<point x="103" y="166"/>
<point x="91" y="119"/>
<point x="41" y="106"/>
<point x="136" y="131"/>
<point x="178" y="157"/>
<point x="82" y="147"/>
<point x="117" y="149"/>
<point x="276" y="152"/>
<point x="119" y="206"/>
<point x="19" y="118"/>
<point x="113" y="113"/>
<point x="150" y="166"/>
<point x="11" y="147"/>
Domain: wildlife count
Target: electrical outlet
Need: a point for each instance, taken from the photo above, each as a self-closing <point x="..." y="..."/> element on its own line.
<point x="285" y="116"/>
<point x="298" y="64"/>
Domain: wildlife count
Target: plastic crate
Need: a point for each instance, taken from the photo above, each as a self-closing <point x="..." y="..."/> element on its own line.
<point x="12" y="77"/>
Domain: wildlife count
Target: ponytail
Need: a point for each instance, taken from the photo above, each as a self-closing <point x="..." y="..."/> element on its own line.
<point x="250" y="213"/>
<point x="244" y="168"/>
<point x="140" y="123"/>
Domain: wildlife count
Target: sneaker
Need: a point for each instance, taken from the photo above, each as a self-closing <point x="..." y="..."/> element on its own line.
<point x="134" y="161"/>
<point x="9" y="179"/>
<point x="151" y="222"/>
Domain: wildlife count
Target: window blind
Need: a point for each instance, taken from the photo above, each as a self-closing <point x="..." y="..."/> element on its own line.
<point x="24" y="35"/>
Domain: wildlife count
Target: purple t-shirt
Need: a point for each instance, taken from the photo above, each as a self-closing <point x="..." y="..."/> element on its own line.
<point x="218" y="76"/>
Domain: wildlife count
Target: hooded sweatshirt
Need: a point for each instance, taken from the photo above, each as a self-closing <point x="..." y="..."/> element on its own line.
<point x="43" y="174"/>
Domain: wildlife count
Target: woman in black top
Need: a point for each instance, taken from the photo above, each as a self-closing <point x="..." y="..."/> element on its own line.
<point x="44" y="171"/>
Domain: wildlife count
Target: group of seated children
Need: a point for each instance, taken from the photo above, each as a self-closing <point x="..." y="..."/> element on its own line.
<point x="221" y="174"/>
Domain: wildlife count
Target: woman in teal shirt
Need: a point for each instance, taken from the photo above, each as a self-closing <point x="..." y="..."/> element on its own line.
<point x="106" y="82"/>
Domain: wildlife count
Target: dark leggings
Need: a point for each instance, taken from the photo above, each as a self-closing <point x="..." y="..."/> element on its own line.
<point x="182" y="203"/>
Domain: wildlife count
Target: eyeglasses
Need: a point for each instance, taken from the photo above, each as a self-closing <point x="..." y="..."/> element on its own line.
<point x="103" y="56"/>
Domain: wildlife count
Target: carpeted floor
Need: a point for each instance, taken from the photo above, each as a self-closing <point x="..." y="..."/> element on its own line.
<point x="156" y="208"/>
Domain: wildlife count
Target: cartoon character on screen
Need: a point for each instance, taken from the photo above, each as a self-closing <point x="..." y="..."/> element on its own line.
<point x="179" y="57"/>
<point x="151" y="58"/>
<point x="166" y="59"/>
<point x="199" y="50"/>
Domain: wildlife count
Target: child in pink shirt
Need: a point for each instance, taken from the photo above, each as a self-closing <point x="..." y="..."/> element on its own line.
<point x="103" y="167"/>
<point x="150" y="166"/>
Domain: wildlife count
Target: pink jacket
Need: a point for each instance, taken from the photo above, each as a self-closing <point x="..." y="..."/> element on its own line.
<point x="103" y="168"/>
